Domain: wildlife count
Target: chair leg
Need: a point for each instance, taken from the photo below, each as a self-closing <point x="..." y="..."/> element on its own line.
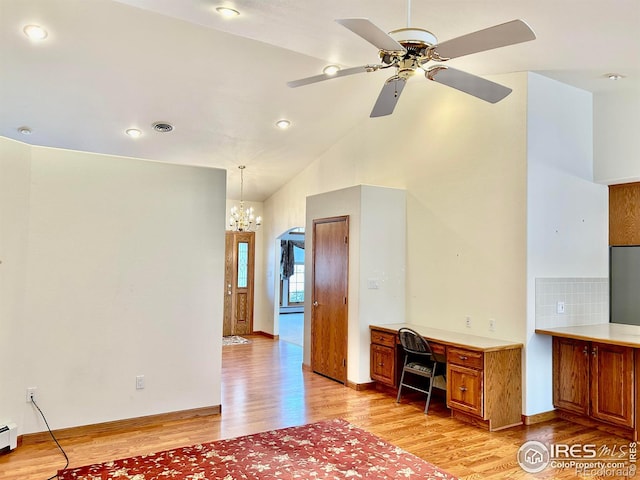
<point x="426" y="407"/>
<point x="400" y="387"/>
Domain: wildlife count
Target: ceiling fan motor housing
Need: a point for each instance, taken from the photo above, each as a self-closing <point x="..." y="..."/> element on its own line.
<point x="416" y="41"/>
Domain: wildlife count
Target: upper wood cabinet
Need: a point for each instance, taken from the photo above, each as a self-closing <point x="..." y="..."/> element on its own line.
<point x="624" y="214"/>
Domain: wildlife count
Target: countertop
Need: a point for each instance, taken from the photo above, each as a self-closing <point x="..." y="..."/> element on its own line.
<point x="611" y="333"/>
<point x="456" y="339"/>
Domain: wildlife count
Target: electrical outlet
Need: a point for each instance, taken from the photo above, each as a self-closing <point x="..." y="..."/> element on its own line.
<point x="560" y="307"/>
<point x="31" y="394"/>
<point x="139" y="382"/>
<point x="492" y="324"/>
<point x="468" y="321"/>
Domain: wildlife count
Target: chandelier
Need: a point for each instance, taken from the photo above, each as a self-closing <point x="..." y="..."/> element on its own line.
<point x="242" y="219"/>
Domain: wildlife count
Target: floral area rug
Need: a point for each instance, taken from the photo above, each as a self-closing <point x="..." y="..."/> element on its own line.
<point x="333" y="449"/>
<point x="234" y="340"/>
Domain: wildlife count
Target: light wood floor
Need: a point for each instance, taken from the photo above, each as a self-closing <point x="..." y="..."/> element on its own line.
<point x="264" y="387"/>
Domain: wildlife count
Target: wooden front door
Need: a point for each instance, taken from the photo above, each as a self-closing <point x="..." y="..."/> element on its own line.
<point x="238" y="280"/>
<point x="329" y="297"/>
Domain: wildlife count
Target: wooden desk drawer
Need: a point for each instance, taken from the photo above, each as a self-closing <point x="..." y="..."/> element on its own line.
<point x="383" y="338"/>
<point x="466" y="358"/>
<point x="439" y="350"/>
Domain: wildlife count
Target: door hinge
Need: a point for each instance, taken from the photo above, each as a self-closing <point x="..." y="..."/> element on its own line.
<point x="344" y="362"/>
<point x="346" y="239"/>
<point x="344" y="299"/>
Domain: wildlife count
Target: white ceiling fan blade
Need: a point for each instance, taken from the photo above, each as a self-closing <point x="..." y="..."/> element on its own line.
<point x="465" y="82"/>
<point x="371" y="33"/>
<point x="339" y="73"/>
<point x="510" y="33"/>
<point x="388" y="97"/>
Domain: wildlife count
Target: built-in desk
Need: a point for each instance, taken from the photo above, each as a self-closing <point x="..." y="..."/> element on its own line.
<point x="484" y="375"/>
<point x="594" y="375"/>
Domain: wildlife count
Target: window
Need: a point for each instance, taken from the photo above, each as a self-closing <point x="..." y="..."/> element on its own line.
<point x="243" y="264"/>
<point x="296" y="284"/>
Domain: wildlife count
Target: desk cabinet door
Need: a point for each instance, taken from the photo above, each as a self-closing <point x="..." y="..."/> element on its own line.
<point x="383" y="366"/>
<point x="464" y="389"/>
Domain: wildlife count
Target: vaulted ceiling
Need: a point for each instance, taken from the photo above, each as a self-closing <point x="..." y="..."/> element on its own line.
<point x="107" y="66"/>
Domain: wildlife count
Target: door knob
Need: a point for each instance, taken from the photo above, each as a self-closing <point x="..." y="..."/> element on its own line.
<point x="315" y="304"/>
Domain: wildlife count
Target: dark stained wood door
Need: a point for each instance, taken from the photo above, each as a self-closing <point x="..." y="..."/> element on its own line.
<point x="329" y="299"/>
<point x="238" y="280"/>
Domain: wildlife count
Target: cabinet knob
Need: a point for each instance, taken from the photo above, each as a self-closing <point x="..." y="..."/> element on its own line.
<point x="381" y="364"/>
<point x="594" y="352"/>
<point x="463" y="389"/>
<point x="585" y="350"/>
<point x="463" y="357"/>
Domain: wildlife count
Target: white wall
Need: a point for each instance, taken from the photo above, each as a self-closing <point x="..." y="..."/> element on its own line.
<point x="123" y="277"/>
<point x="616" y="139"/>
<point x="383" y="256"/>
<point x="567" y="214"/>
<point x="15" y="170"/>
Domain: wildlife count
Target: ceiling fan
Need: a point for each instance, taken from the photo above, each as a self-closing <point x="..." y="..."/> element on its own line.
<point x="408" y="50"/>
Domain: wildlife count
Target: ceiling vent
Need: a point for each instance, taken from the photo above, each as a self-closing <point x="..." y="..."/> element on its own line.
<point x="162" y="127"/>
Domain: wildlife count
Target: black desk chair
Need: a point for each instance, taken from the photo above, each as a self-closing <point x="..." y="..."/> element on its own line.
<point x="419" y="360"/>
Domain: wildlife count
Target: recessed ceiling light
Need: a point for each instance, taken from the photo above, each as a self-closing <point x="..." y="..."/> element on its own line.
<point x="614" y="76"/>
<point x="283" y="124"/>
<point x="35" y="32"/>
<point x="133" y="132"/>
<point x="227" y="12"/>
<point x="331" y="69"/>
<point x="24" y="130"/>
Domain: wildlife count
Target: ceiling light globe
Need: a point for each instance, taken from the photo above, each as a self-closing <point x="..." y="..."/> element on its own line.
<point x="24" y="130"/>
<point x="283" y="124"/>
<point x="35" y="32"/>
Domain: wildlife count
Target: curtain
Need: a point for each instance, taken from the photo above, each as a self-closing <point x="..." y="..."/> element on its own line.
<point x="287" y="259"/>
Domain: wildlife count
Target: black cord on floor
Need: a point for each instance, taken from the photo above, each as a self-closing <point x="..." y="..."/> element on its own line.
<point x="54" y="439"/>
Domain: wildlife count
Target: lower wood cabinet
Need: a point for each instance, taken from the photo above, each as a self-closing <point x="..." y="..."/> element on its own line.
<point x="484" y="387"/>
<point x="465" y="380"/>
<point x="595" y="380"/>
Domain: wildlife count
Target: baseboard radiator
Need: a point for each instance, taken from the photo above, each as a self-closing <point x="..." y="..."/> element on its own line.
<point x="8" y="436"/>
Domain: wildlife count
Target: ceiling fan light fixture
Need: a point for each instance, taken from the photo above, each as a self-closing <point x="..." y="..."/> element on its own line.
<point x="614" y="76"/>
<point x="331" y="69"/>
<point x="35" y="32"/>
<point x="283" y="124"/>
<point x="227" y="12"/>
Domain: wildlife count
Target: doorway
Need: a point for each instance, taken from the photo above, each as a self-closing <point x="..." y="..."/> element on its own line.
<point x="291" y="286"/>
<point x="238" y="280"/>
<point x="330" y="262"/>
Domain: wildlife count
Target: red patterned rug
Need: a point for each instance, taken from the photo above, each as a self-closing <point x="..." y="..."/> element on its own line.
<point x="333" y="449"/>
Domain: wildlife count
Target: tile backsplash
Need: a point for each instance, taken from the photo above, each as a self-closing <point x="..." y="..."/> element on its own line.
<point x="586" y="301"/>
